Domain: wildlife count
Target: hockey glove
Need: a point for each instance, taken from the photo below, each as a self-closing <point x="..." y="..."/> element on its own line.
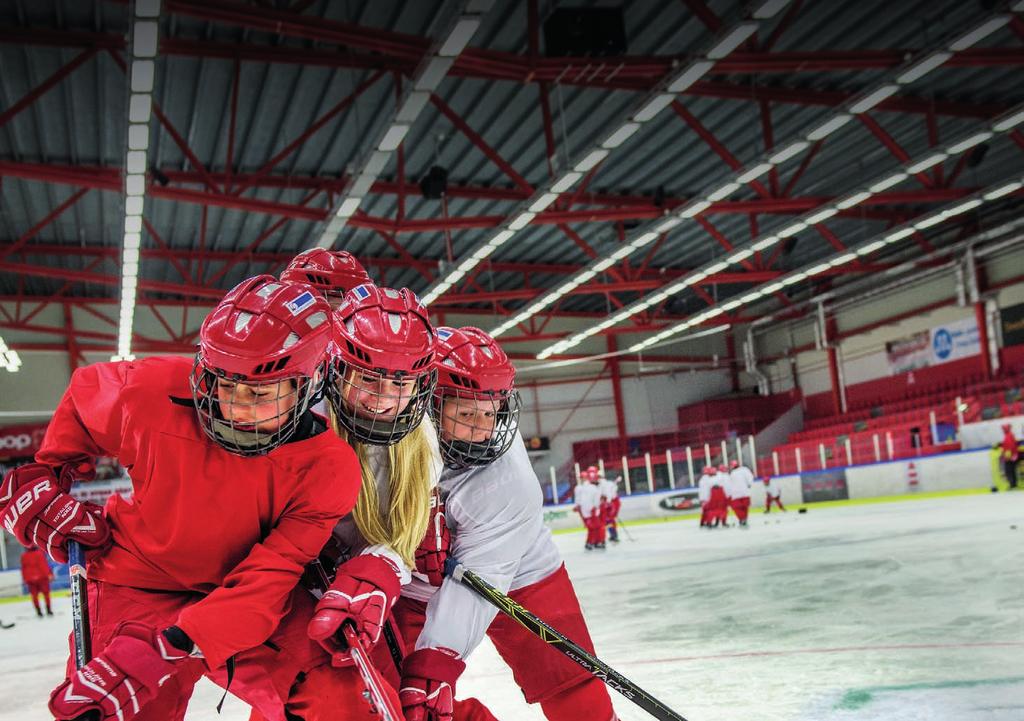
<point x="363" y="592"/>
<point x="37" y="510"/>
<point x="433" y="549"/>
<point x="119" y="682"/>
<point x="427" y="691"/>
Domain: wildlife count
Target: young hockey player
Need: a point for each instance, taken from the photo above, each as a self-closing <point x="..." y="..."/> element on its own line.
<point x="707" y="479"/>
<point x="236" y="486"/>
<point x="610" y="505"/>
<point x="492" y="506"/>
<point x="36" y="575"/>
<point x="738" y="491"/>
<point x="588" y="505"/>
<point x="332" y="272"/>
<point x="718" y="502"/>
<point x="772" y="494"/>
<point x="379" y="389"/>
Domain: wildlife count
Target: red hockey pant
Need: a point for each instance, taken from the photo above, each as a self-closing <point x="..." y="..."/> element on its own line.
<point x="595" y="527"/>
<point x="564" y="690"/>
<point x="717" y="506"/>
<point x="741" y="507"/>
<point x="768" y="500"/>
<point x="35" y="588"/>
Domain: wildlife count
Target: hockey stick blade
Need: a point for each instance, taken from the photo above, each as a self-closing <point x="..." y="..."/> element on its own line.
<point x="598" y="668"/>
<point x="379" y="701"/>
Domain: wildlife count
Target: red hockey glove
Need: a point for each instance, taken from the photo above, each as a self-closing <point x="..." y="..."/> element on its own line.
<point x="427" y="691"/>
<point x="37" y="510"/>
<point x="433" y="549"/>
<point x="119" y="682"/>
<point x="363" y="592"/>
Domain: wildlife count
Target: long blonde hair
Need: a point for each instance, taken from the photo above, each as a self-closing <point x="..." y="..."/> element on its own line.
<point x="411" y="465"/>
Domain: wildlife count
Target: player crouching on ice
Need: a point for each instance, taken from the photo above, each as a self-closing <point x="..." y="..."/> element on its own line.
<point x="587" y="498"/>
<point x="492" y="517"/>
<point x="236" y="485"/>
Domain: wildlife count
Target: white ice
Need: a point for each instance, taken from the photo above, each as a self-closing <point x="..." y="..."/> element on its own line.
<point x="907" y="611"/>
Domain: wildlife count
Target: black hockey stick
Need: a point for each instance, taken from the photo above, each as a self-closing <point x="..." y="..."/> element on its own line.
<point x="79" y="604"/>
<point x="561" y="643"/>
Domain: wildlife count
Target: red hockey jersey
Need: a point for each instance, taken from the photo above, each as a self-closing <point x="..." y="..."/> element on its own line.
<point x="238" y="530"/>
<point x="34" y="566"/>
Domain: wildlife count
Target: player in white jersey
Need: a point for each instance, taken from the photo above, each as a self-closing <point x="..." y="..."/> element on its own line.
<point x="590" y="506"/>
<point x="493" y="509"/>
<point x="707" y="478"/>
<point x="772" y="494"/>
<point x="738" y="491"/>
<point x="610" y="505"/>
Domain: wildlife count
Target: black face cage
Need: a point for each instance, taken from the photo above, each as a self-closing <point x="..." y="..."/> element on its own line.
<point x="459" y="454"/>
<point x="369" y="427"/>
<point x="246" y="439"/>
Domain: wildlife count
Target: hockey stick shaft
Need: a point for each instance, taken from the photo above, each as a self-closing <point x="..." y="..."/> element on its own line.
<point x="79" y="604"/>
<point x="598" y="668"/>
<point x="378" y="697"/>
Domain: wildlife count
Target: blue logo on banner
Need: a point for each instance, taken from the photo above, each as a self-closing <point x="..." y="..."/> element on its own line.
<point x="942" y="343"/>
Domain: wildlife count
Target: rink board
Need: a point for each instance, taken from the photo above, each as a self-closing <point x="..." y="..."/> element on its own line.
<point x="960" y="470"/>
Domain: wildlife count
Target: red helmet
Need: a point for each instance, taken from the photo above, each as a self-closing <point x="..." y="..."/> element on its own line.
<point x="722" y="468"/>
<point x="332" y="272"/>
<point x="475" y="397"/>
<point x="734" y="464"/>
<point x="382" y="374"/>
<point x="263" y="332"/>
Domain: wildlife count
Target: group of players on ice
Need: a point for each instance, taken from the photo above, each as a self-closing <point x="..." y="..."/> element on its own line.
<point x="241" y="489"/>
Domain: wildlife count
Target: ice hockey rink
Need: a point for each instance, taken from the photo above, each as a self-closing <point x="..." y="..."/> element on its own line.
<point x="909" y="611"/>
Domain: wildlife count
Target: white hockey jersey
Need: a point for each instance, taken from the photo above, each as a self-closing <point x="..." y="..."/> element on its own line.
<point x="497" y="523"/>
<point x="588" y="497"/>
<point x="704" y="487"/>
<point x="607" y="489"/>
<point x="740" y="479"/>
<point x="772" y="488"/>
<point x="347" y="534"/>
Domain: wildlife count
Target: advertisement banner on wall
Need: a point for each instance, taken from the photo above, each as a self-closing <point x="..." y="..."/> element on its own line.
<point x="953" y="341"/>
<point x="1013" y="324"/>
<point x="944" y="343"/>
<point x="21" y="441"/>
<point x="910" y="353"/>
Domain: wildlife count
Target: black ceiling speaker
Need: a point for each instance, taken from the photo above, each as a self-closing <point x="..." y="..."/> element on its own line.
<point x="977" y="155"/>
<point x="790" y="245"/>
<point x="659" y="197"/>
<point x="159" y="176"/>
<point x="435" y="183"/>
<point x="585" y="32"/>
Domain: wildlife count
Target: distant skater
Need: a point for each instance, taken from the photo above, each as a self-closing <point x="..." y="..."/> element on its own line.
<point x="772" y="494"/>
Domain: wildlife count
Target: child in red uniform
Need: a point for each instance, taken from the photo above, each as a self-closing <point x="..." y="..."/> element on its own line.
<point x="36" y="574"/>
<point x="236" y="486"/>
<point x="718" y="502"/>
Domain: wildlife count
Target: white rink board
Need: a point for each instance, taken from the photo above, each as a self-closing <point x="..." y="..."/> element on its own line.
<point x="893" y="612"/>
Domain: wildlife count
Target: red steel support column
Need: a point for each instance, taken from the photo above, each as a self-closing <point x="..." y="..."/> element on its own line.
<point x="613" y="364"/>
<point x="986" y="357"/>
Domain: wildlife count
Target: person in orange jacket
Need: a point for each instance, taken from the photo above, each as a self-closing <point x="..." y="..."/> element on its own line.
<point x="36" y="575"/>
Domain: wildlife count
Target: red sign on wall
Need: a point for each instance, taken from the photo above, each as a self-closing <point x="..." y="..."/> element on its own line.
<point x="21" y="441"/>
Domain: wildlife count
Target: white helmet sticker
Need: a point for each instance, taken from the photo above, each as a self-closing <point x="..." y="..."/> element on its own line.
<point x="395" y="321"/>
<point x="242" y="320"/>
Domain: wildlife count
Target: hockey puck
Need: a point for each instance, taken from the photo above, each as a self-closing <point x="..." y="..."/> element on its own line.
<point x="1013" y="528"/>
<point x="802" y="510"/>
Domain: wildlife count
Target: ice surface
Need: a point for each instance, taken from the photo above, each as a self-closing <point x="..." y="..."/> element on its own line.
<point x="893" y="612"/>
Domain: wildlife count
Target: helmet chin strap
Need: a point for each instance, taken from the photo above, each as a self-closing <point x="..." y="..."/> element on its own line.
<point x="246" y="440"/>
<point x="380" y="434"/>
